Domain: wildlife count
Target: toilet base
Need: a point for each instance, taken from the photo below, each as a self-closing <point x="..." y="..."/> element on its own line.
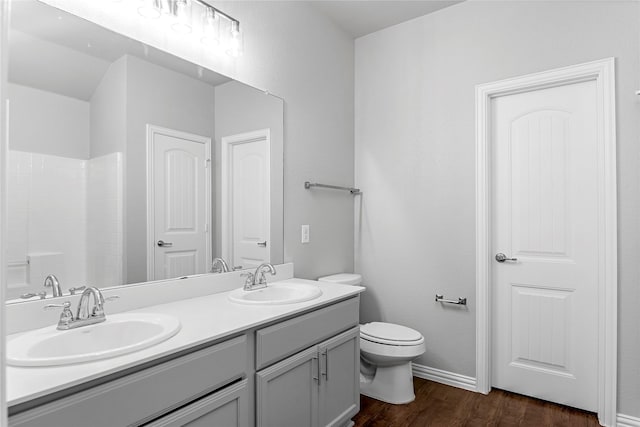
<point x="391" y="384"/>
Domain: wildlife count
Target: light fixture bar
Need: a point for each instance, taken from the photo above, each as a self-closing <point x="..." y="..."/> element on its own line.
<point x="218" y="11"/>
<point x="215" y="28"/>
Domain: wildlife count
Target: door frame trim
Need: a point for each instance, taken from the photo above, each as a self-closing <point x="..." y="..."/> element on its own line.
<point x="153" y="130"/>
<point x="603" y="73"/>
<point x="226" y="216"/>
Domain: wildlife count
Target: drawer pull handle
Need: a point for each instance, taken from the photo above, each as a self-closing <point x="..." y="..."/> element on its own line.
<point x="325" y="373"/>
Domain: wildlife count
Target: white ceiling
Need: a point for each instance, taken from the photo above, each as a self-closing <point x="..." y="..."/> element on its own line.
<point x="362" y="17"/>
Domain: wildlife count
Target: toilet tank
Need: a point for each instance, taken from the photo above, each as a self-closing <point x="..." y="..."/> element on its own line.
<point x="343" y="279"/>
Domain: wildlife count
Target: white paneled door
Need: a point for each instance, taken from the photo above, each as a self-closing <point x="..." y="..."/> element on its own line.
<point x="246" y="207"/>
<point x="179" y="203"/>
<point x="545" y="223"/>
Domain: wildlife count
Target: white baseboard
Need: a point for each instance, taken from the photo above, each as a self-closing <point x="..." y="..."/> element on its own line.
<point x="444" y="377"/>
<point x="627" y="421"/>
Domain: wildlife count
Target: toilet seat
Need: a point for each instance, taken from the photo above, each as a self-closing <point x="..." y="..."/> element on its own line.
<point x="390" y="334"/>
<point x="382" y="353"/>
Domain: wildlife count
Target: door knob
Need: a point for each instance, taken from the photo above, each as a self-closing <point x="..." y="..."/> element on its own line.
<point x="500" y="257"/>
<point x="164" y="244"/>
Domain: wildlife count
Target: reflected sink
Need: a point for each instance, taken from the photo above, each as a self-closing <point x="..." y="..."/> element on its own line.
<point x="119" y="334"/>
<point x="277" y="293"/>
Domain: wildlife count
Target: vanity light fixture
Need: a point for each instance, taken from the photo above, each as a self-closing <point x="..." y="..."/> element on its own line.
<point x="182" y="14"/>
<point x="235" y="43"/>
<point x="210" y="27"/>
<point x="213" y="27"/>
<point x="150" y="9"/>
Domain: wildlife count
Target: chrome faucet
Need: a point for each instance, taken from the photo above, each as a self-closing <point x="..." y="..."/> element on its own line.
<point x="257" y="280"/>
<point x="84" y="314"/>
<point x="97" y="312"/>
<point x="219" y="265"/>
<point x="51" y="281"/>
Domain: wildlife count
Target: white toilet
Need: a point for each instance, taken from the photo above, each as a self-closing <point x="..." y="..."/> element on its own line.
<point x="386" y="352"/>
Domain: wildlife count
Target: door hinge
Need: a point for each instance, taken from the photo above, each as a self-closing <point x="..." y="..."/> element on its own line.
<point x="207" y="162"/>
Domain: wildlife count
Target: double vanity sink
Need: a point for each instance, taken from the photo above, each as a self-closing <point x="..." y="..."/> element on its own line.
<point x="129" y="332"/>
<point x="219" y="355"/>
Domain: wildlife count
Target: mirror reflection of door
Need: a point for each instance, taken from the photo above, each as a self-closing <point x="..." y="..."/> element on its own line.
<point x="179" y="203"/>
<point x="246" y="205"/>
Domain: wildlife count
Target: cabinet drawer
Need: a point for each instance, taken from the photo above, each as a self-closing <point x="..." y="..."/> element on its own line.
<point x="144" y="394"/>
<point x="286" y="338"/>
<point x="227" y="407"/>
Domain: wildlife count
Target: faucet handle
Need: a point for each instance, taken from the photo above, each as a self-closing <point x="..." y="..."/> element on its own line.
<point x="249" y="276"/>
<point x="42" y="295"/>
<point x="66" y="317"/>
<point x="72" y="291"/>
<point x="65" y="305"/>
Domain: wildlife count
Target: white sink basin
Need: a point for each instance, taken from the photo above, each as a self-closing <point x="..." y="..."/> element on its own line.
<point x="277" y="293"/>
<point x="119" y="334"/>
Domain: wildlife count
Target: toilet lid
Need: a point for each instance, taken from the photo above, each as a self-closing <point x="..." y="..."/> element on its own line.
<point x="343" y="279"/>
<point x="376" y="331"/>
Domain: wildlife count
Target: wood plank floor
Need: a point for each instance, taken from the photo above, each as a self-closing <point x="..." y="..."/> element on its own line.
<point x="440" y="405"/>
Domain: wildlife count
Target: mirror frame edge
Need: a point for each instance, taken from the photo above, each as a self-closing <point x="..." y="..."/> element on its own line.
<point x="4" y="31"/>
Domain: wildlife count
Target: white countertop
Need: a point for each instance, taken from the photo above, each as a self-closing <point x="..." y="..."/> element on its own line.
<point x="204" y="318"/>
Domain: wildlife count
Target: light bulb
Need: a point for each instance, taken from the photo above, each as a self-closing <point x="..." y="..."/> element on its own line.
<point x="182" y="13"/>
<point x="236" y="41"/>
<point x="210" y="27"/>
<point x="149" y="9"/>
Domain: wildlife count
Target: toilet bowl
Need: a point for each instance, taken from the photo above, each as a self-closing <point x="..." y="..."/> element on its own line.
<point x="386" y="352"/>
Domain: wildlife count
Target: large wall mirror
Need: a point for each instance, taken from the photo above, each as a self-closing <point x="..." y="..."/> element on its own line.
<point x="128" y="164"/>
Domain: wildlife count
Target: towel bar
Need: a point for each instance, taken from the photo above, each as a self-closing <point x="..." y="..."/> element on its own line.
<point x="461" y="301"/>
<point x="352" y="190"/>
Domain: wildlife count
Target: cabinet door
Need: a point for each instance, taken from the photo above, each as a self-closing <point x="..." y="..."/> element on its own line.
<point x="227" y="407"/>
<point x="287" y="392"/>
<point x="340" y="378"/>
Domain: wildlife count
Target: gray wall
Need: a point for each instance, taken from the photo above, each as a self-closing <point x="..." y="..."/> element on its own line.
<point x="415" y="157"/>
<point x="160" y="97"/>
<point x="238" y="109"/>
<point x="298" y="54"/>
<point x="109" y="111"/>
<point x="48" y="123"/>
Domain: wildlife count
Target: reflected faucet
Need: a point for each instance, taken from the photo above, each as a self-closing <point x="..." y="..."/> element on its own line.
<point x="51" y="281"/>
<point x="219" y="265"/>
<point x="257" y="280"/>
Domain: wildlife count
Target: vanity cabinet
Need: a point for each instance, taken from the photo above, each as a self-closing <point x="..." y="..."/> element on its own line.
<point x="302" y="371"/>
<point x="144" y="395"/>
<point x="339" y="378"/>
<point x="317" y="386"/>
<point x="287" y="393"/>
